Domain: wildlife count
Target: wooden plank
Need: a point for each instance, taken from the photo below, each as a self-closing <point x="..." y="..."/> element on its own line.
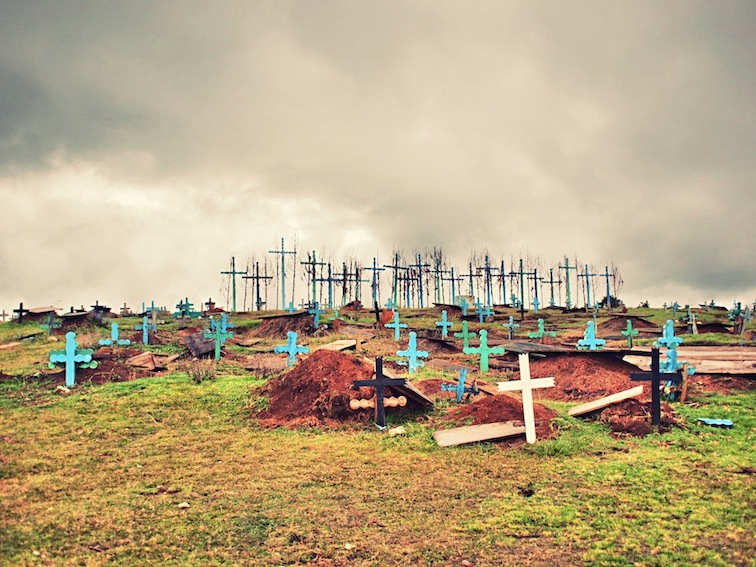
<point x="247" y="342"/>
<point x="473" y="433"/>
<point x="607" y="401"/>
<point x="342" y="344"/>
<point x="409" y="389"/>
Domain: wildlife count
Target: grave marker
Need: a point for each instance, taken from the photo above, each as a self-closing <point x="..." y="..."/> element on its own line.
<point x="607" y="275"/>
<point x="114" y="340"/>
<point x="396" y="325"/>
<point x="444" y="324"/>
<point x="291" y="348"/>
<point x="218" y="334"/>
<point x="146" y="327"/>
<point x="375" y="279"/>
<point x="630" y="333"/>
<point x="453" y="280"/>
<point x="380" y="383"/>
<point x="21" y="312"/>
<point x="233" y="273"/>
<point x="567" y="269"/>
<point x="283" y="252"/>
<point x="465" y="335"/>
<point x="526" y="385"/>
<point x="258" y="278"/>
<point x="312" y="263"/>
<point x="463" y="304"/>
<point x="668" y="338"/>
<point x="655" y="377"/>
<point x="589" y="340"/>
<point x="551" y="281"/>
<point x="483" y="312"/>
<point x="588" y="286"/>
<point x="484" y="350"/>
<point x="541" y="332"/>
<point x="413" y="355"/>
<point x="395" y="289"/>
<point x="511" y="327"/>
<point x="316" y="312"/>
<point x="536" y="303"/>
<point x="460" y="389"/>
<point x="420" y="269"/>
<point x="51" y="324"/>
<point x="3" y="315"/>
<point x="71" y="356"/>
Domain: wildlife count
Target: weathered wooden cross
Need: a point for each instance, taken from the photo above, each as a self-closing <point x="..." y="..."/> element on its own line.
<point x="655" y="376"/>
<point x="316" y="312"/>
<point x="380" y="383"/>
<point x="71" y="356"/>
<point x="567" y="268"/>
<point x="283" y="252"/>
<point x="484" y="350"/>
<point x="444" y="324"/>
<point x="258" y="278"/>
<point x="413" y="355"/>
<point x="396" y="325"/>
<point x="51" y="324"/>
<point x="541" y="332"/>
<point x="146" y="327"/>
<point x="511" y="327"/>
<point x="460" y="389"/>
<point x="219" y="335"/>
<point x="526" y="385"/>
<point x="291" y="348"/>
<point x="233" y="273"/>
<point x="465" y="335"/>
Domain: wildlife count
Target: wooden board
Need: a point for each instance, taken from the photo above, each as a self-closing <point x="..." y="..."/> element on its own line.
<point x="248" y="342"/>
<point x="151" y="360"/>
<point x="342" y="344"/>
<point x="607" y="401"/>
<point x="473" y="433"/>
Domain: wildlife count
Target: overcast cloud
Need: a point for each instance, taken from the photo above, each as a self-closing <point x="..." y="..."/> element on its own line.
<point x="142" y="144"/>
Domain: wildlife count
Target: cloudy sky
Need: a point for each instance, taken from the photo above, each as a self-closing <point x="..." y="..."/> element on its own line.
<point x="142" y="143"/>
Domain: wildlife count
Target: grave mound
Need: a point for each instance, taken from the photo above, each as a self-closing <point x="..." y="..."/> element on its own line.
<point x="316" y="392"/>
<point x="633" y="418"/>
<point x="106" y="371"/>
<point x="279" y="326"/>
<point x="492" y="409"/>
<point x="582" y="378"/>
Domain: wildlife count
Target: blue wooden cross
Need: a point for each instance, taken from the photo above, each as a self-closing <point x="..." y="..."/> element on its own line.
<point x="390" y="304"/>
<point x="290" y="307"/>
<point x="412" y="354"/>
<point x="460" y="389"/>
<point x="484" y="350"/>
<point x="515" y="301"/>
<point x="463" y="305"/>
<point x="336" y="316"/>
<point x="668" y="338"/>
<point x="675" y="306"/>
<point x="567" y="269"/>
<point x="396" y="325"/>
<point x="465" y="335"/>
<point x="219" y="335"/>
<point x="630" y="333"/>
<point x="233" y="273"/>
<point x="51" y="324"/>
<point x="225" y="325"/>
<point x="376" y="279"/>
<point x="483" y="312"/>
<point x="511" y="327"/>
<point x="283" y="252"/>
<point x="541" y="332"/>
<point x="316" y="312"/>
<point x="589" y="340"/>
<point x="146" y="327"/>
<point x="71" y="356"/>
<point x="114" y="340"/>
<point x="444" y="324"/>
<point x="291" y="348"/>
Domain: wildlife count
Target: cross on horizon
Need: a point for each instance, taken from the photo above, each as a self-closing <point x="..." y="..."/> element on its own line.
<point x="551" y="281"/>
<point x="21" y="312"/>
<point x="283" y="252"/>
<point x="312" y="263"/>
<point x="588" y="286"/>
<point x="567" y="268"/>
<point x="258" y="278"/>
<point x="233" y="273"/>
<point x="375" y="279"/>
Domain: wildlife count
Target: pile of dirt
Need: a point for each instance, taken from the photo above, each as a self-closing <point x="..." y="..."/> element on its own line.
<point x="633" y="418"/>
<point x="492" y="409"/>
<point x="719" y="384"/>
<point x="106" y="371"/>
<point x="582" y="378"/>
<point x="316" y="392"/>
<point x="280" y="325"/>
<point x="616" y="325"/>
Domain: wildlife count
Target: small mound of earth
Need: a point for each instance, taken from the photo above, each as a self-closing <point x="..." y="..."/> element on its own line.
<point x="317" y="391"/>
<point x="106" y="371"/>
<point x="492" y="409"/>
<point x="633" y="418"/>
<point x="280" y="325"/>
<point x="582" y="378"/>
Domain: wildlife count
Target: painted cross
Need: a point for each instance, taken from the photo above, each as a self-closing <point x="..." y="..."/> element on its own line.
<point x="588" y="286"/>
<point x="522" y="273"/>
<point x="526" y="385"/>
<point x="607" y="275"/>
<point x="219" y="335"/>
<point x="420" y="270"/>
<point x="21" y="312"/>
<point x="444" y="324"/>
<point x="453" y="280"/>
<point x="395" y="289"/>
<point x="185" y="309"/>
<point x="465" y="335"/>
<point x="630" y="333"/>
<point x="283" y="252"/>
<point x="3" y="315"/>
<point x="675" y="306"/>
<point x="463" y="305"/>
<point x="503" y="278"/>
<point x="487" y="280"/>
<point x="316" y="312"/>
<point x="336" y="316"/>
<point x="484" y="350"/>
<point x="483" y="312"/>
<point x="668" y="338"/>
<point x="146" y="327"/>
<point x="375" y="279"/>
<point x="233" y="273"/>
<point x="290" y="307"/>
<point x="291" y="348"/>
<point x="71" y="356"/>
<point x="511" y="327"/>
<point x="541" y="332"/>
<point x="391" y="304"/>
<point x="51" y="324"/>
<point x="114" y="340"/>
<point x="536" y="303"/>
<point x="655" y="376"/>
<point x="567" y="269"/>
<point x="589" y="340"/>
<point x="379" y="383"/>
<point x="312" y="263"/>
<point x="258" y="278"/>
<point x="225" y="325"/>
<point x="412" y="354"/>
<point x="551" y="281"/>
<point x="460" y="389"/>
<point x="396" y="325"/>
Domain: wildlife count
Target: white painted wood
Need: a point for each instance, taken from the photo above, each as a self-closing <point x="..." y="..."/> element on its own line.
<point x="606" y="401"/>
<point x="525" y="384"/>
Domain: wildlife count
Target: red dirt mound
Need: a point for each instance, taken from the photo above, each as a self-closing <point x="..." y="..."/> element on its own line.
<point x="316" y="392"/>
<point x="581" y="378"/>
<point x="491" y="409"/>
<point x="106" y="371"/>
<point x="633" y="417"/>
<point x="279" y="326"/>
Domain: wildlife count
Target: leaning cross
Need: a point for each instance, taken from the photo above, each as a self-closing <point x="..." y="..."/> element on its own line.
<point x="70" y="356"/>
<point x="630" y="333"/>
<point x="412" y="354"/>
<point x="291" y="348"/>
<point x="396" y="325"/>
<point x="465" y="335"/>
<point x="459" y="388"/>
<point x="589" y="340"/>
<point x="146" y="327"/>
<point x="655" y="376"/>
<point x="114" y="340"/>
<point x="484" y="350"/>
<point x="219" y="334"/>
<point x="526" y="385"/>
<point x="444" y="324"/>
<point x="379" y="383"/>
<point x="511" y="327"/>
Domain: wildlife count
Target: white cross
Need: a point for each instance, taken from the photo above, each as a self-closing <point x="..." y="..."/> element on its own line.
<point x="526" y="385"/>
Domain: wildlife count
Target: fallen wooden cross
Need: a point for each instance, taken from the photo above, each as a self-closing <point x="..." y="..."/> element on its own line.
<point x="606" y="401"/>
<point x="473" y="433"/>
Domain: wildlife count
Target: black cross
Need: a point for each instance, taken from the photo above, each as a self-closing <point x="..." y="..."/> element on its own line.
<point x="379" y="384"/>
<point x="21" y="312"/>
<point x="377" y="312"/>
<point x="655" y="377"/>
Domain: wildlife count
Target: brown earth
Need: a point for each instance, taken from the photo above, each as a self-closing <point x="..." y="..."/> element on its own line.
<point x="274" y="327"/>
<point x="633" y="418"/>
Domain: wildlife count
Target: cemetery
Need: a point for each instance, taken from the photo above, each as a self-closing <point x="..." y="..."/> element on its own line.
<point x="448" y="432"/>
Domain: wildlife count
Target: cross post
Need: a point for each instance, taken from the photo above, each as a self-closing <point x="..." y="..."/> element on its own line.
<point x="655" y="376"/>
<point x="412" y="354"/>
<point x="283" y="252"/>
<point x="291" y="348"/>
<point x="444" y="324"/>
<point x="233" y="274"/>
<point x="484" y="350"/>
<point x="465" y="335"/>
<point x="526" y="385"/>
<point x="379" y="383"/>
<point x="567" y="269"/>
